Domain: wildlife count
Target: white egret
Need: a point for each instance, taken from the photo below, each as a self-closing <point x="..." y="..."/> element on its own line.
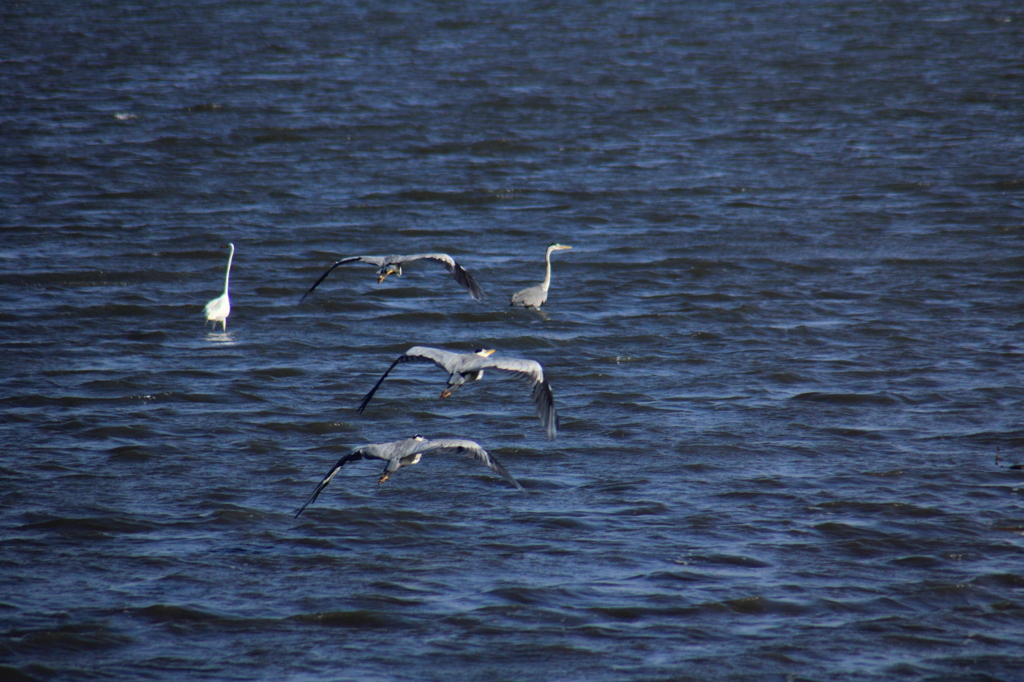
<point x="219" y="308"/>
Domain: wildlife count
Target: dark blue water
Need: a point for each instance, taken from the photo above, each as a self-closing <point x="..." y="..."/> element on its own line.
<point x="785" y="347"/>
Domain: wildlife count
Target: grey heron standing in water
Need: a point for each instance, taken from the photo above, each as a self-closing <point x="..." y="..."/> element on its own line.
<point x="534" y="297"/>
<point x="392" y="265"/>
<point x="403" y="453"/>
<point x="463" y="367"/>
<point x="219" y="308"/>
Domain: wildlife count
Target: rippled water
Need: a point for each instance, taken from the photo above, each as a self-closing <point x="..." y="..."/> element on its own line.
<point x="785" y="348"/>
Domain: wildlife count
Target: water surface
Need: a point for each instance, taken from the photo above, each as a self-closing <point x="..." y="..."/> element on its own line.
<point x="785" y="348"/>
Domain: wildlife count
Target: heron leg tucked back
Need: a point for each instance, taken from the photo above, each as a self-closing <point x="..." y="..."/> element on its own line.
<point x="395" y="464"/>
<point x="454" y="381"/>
<point x="388" y="270"/>
<point x="391" y="468"/>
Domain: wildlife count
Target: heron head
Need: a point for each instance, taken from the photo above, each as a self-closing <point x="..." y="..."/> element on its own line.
<point x="418" y="437"/>
<point x="484" y="352"/>
<point x="555" y="246"/>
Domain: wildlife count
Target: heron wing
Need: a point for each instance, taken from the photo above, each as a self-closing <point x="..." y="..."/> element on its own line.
<point x="473" y="449"/>
<point x="357" y="454"/>
<point x="372" y="260"/>
<point x="543" y="399"/>
<point x="442" y="358"/>
<point x="218" y="306"/>
<point x="458" y="273"/>
<point x="527" y="369"/>
<point x="530" y="297"/>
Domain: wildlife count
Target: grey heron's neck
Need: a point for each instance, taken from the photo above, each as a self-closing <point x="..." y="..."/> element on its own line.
<point x="547" y="269"/>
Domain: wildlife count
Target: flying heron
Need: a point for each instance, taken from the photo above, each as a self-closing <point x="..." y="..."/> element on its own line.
<point x="403" y="453"/>
<point x="219" y="308"/>
<point x="534" y="297"/>
<point x="463" y="367"/>
<point x="392" y="265"/>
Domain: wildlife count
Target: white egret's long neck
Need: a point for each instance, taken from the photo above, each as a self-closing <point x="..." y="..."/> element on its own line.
<point x="547" y="271"/>
<point x="227" y="274"/>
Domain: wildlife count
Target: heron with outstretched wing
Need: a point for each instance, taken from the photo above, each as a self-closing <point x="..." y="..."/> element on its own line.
<point x="464" y="367"/>
<point x="392" y="265"/>
<point x="403" y="453"/>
